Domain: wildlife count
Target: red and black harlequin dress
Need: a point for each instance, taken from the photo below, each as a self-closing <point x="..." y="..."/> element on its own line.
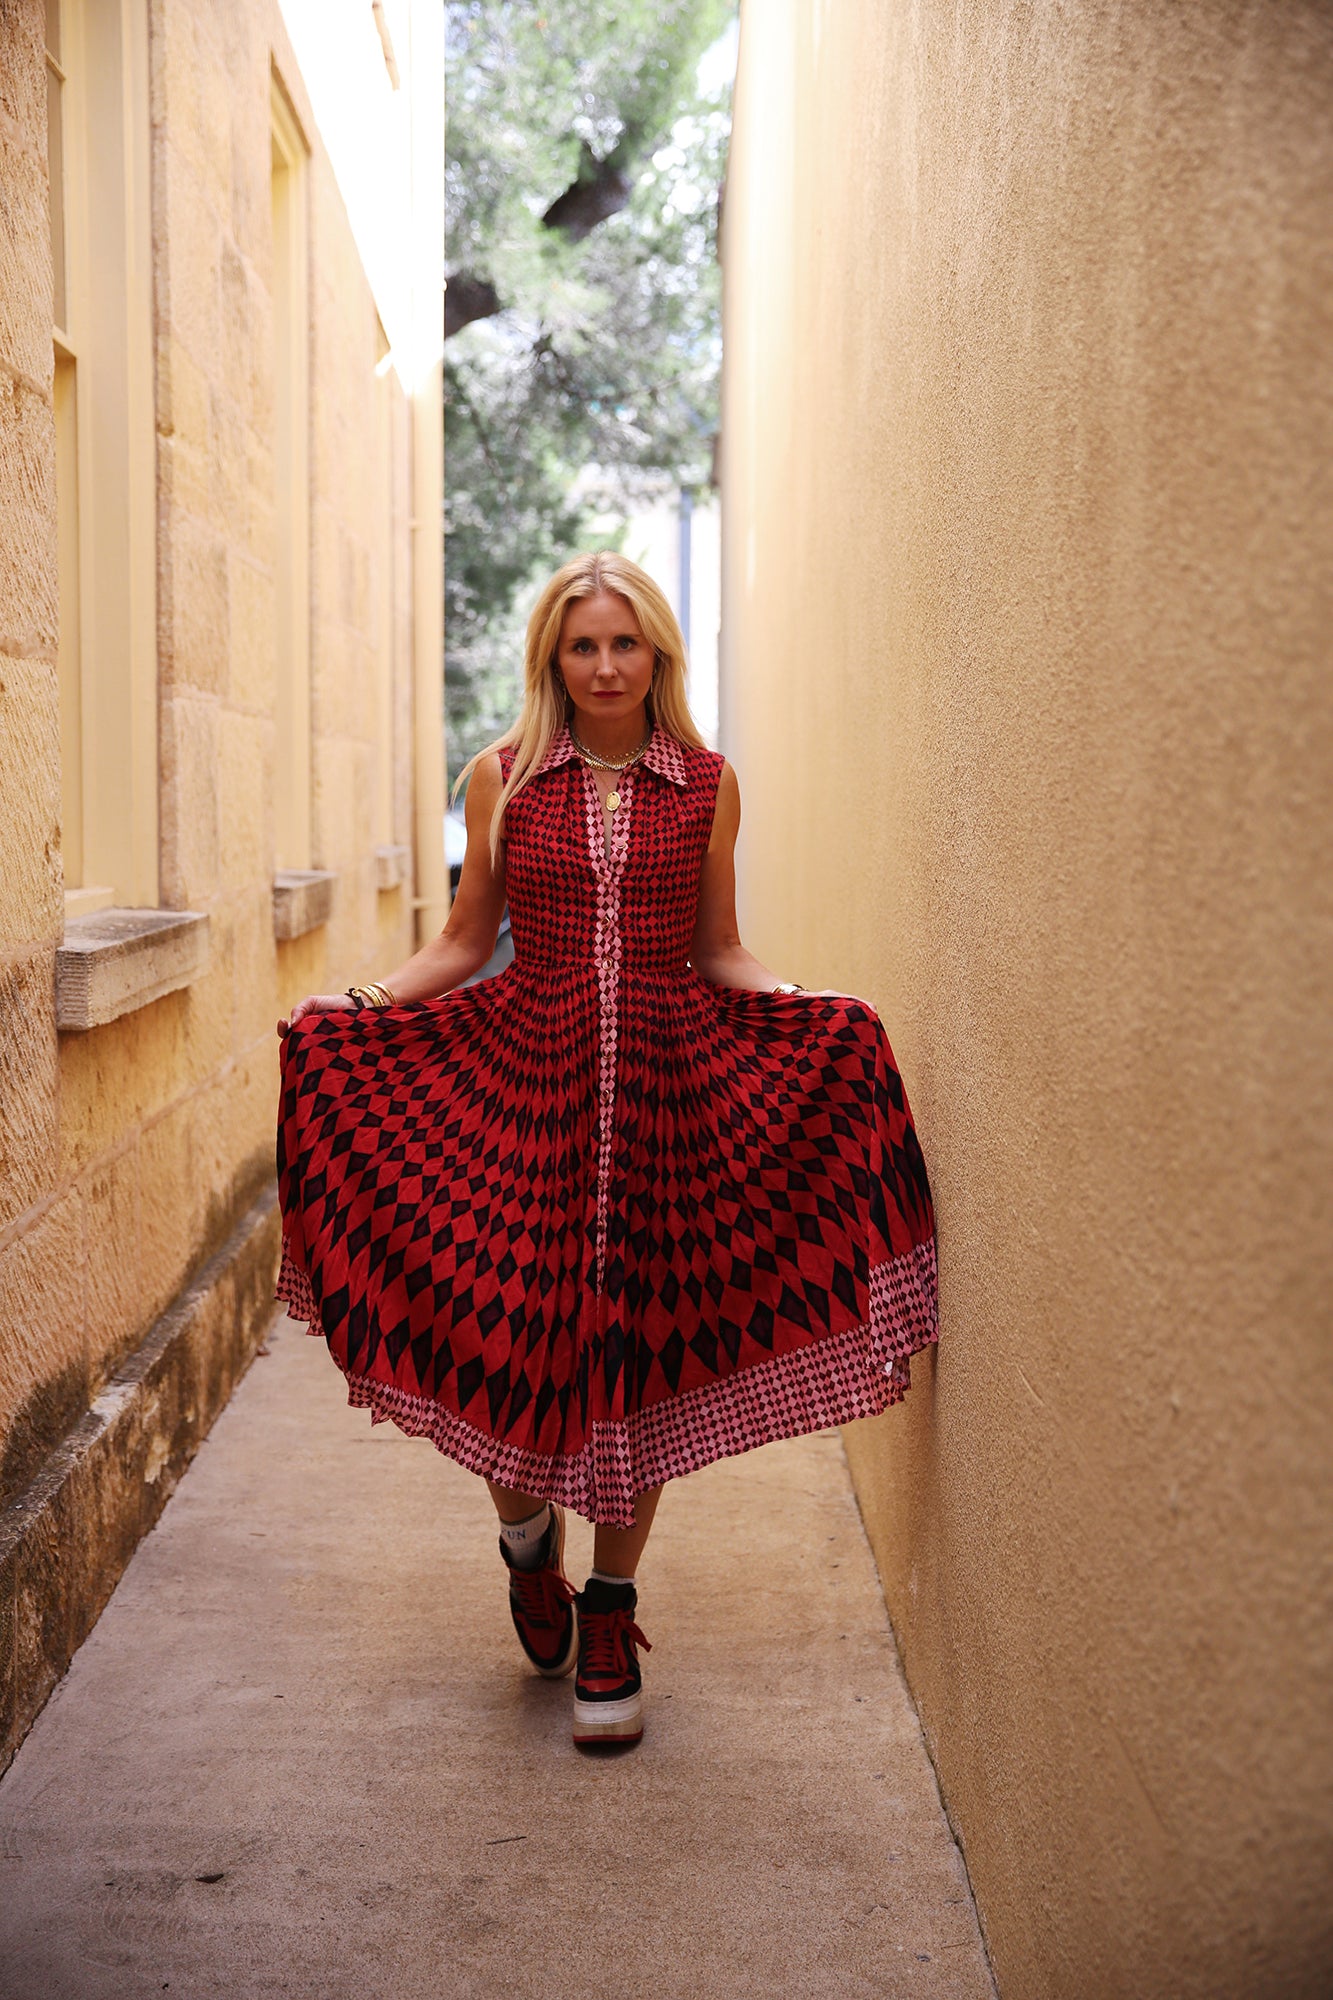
<point x="596" y="1222"/>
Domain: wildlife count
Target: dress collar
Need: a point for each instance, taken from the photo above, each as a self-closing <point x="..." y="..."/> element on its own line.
<point x="662" y="755"/>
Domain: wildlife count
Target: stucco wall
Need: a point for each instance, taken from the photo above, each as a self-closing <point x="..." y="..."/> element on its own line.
<point x="130" y="1151"/>
<point x="1028" y="440"/>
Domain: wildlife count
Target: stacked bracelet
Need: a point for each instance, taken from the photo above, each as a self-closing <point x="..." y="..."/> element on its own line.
<point x="372" y="995"/>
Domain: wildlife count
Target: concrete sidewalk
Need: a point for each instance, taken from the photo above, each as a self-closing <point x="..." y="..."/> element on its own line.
<point x="301" y="1754"/>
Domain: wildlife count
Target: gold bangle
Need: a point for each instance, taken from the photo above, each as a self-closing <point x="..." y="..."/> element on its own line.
<point x="374" y="995"/>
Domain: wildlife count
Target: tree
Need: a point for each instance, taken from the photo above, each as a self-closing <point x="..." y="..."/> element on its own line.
<point x="583" y="301"/>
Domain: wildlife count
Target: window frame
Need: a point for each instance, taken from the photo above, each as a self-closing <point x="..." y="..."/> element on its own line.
<point x="289" y="194"/>
<point x="106" y="500"/>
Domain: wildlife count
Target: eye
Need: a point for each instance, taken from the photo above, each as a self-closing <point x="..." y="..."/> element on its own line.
<point x="627" y="640"/>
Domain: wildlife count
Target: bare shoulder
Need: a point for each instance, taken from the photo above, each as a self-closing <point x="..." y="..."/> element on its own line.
<point x="484" y="786"/>
<point x="726" y="806"/>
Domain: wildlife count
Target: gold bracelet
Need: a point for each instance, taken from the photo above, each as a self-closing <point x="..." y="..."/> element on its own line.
<point x="374" y="995"/>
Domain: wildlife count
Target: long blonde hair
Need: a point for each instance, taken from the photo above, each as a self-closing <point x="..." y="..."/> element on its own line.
<point x="546" y="706"/>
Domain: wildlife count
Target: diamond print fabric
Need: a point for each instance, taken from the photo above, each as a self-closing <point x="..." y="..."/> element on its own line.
<point x="597" y="1222"/>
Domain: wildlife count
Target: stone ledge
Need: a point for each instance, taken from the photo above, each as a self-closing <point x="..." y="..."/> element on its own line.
<point x="393" y="867"/>
<point x="65" y="1540"/>
<point x="114" y="961"/>
<point x="302" y="900"/>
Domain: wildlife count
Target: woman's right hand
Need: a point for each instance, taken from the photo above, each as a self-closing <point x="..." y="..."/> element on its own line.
<point x="317" y="1003"/>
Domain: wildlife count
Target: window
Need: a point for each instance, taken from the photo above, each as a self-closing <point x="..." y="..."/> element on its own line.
<point x="55" y="154"/>
<point x="58" y="101"/>
<point x="391" y="587"/>
<point x="291" y="480"/>
<point x="106" y="507"/>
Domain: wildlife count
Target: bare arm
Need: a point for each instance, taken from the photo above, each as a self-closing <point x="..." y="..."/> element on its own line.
<point x="469" y="935"/>
<point x="468" y="938"/>
<point x="716" y="950"/>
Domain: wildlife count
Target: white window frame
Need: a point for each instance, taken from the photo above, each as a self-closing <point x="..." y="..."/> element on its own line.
<point x="107" y="461"/>
<point x="290" y="196"/>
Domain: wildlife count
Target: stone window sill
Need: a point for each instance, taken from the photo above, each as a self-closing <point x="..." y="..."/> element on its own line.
<point x="116" y="961"/>
<point x="392" y="867"/>
<point x="302" y="900"/>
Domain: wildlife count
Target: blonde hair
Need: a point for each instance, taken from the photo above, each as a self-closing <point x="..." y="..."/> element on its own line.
<point x="546" y="707"/>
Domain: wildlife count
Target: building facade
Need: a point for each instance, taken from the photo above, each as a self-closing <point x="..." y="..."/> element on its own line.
<point x="1028" y="421"/>
<point x="221" y="759"/>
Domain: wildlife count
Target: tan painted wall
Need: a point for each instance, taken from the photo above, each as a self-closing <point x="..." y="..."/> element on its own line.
<point x="1029" y="430"/>
<point x="130" y="1151"/>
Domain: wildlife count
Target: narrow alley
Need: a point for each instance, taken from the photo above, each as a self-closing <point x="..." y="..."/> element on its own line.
<point x="301" y="1753"/>
<point x="959" y="377"/>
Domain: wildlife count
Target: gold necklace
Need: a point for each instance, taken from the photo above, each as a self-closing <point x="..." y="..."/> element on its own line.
<point x="590" y="757"/>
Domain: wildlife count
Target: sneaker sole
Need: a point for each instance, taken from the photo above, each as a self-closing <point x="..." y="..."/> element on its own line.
<point x="567" y="1665"/>
<point x="609" y="1721"/>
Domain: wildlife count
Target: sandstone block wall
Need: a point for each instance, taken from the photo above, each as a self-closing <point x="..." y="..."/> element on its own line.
<point x="42" y="1219"/>
<point x="130" y="1151"/>
<point x="1028" y="425"/>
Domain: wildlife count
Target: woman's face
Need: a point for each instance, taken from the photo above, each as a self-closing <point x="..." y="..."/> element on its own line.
<point x="603" y="657"/>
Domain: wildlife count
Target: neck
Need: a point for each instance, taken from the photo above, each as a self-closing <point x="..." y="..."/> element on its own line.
<point x="612" y="737"/>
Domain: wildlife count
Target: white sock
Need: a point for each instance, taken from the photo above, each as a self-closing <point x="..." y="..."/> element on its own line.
<point x="523" y="1539"/>
<point x="605" y="1576"/>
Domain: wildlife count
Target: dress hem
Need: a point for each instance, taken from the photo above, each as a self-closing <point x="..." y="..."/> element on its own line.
<point x="835" y="1380"/>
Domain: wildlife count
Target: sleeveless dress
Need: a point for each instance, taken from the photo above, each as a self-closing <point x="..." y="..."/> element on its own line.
<point x="596" y="1222"/>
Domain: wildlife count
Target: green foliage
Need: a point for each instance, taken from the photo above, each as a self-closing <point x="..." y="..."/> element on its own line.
<point x="596" y="378"/>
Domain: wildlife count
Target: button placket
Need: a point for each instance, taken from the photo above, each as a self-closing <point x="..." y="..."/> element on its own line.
<point x="606" y="953"/>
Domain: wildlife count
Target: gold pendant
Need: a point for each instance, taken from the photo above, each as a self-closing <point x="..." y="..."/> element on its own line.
<point x="612" y="801"/>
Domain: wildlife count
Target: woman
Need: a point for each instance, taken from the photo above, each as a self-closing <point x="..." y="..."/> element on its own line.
<point x="635" y="1204"/>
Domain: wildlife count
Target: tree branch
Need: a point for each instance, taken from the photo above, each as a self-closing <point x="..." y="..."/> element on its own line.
<point x="599" y="189"/>
<point x="467" y="298"/>
<point x="457" y="394"/>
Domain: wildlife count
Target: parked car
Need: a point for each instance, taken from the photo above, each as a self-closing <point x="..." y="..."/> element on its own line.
<point x="455" y="845"/>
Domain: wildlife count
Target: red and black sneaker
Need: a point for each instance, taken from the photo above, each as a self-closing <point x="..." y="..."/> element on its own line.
<point x="541" y="1604"/>
<point x="608" y="1689"/>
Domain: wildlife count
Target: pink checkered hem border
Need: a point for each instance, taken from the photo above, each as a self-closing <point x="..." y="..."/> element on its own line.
<point x="853" y="1374"/>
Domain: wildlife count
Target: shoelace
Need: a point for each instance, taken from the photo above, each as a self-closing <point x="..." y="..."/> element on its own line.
<point x="609" y="1639"/>
<point x="541" y="1593"/>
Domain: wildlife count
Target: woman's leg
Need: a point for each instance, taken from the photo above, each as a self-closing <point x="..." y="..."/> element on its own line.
<point x="616" y="1551"/>
<point x="512" y="1506"/>
<point x="608" y="1691"/>
<point x="532" y="1542"/>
